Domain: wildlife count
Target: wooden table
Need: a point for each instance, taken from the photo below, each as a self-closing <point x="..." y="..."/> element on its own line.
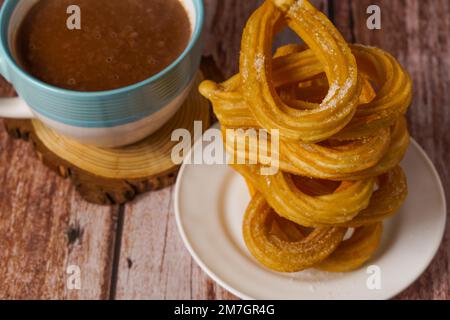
<point x="134" y="251"/>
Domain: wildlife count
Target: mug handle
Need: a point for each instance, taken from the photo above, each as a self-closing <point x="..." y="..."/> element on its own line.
<point x="13" y="107"/>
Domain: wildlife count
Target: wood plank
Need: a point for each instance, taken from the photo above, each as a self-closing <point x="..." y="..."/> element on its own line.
<point x="46" y="227"/>
<point x="418" y="34"/>
<point x="153" y="263"/>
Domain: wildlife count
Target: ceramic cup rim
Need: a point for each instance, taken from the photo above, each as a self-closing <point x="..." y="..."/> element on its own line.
<point x="5" y="16"/>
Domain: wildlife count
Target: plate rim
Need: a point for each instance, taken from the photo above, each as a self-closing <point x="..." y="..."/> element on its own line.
<point x="243" y="296"/>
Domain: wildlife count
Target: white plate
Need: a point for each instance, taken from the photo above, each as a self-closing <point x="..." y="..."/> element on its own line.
<point x="210" y="201"/>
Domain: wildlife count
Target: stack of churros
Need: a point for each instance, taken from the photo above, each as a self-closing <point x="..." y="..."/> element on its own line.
<point x="339" y="111"/>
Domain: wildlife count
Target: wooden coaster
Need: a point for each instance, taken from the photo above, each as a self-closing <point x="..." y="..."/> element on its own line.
<point x="114" y="176"/>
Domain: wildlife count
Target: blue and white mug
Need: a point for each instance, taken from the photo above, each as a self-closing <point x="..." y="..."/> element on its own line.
<point x="105" y="118"/>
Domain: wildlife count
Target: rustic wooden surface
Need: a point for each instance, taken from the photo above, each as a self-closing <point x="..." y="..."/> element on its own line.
<point x="134" y="251"/>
